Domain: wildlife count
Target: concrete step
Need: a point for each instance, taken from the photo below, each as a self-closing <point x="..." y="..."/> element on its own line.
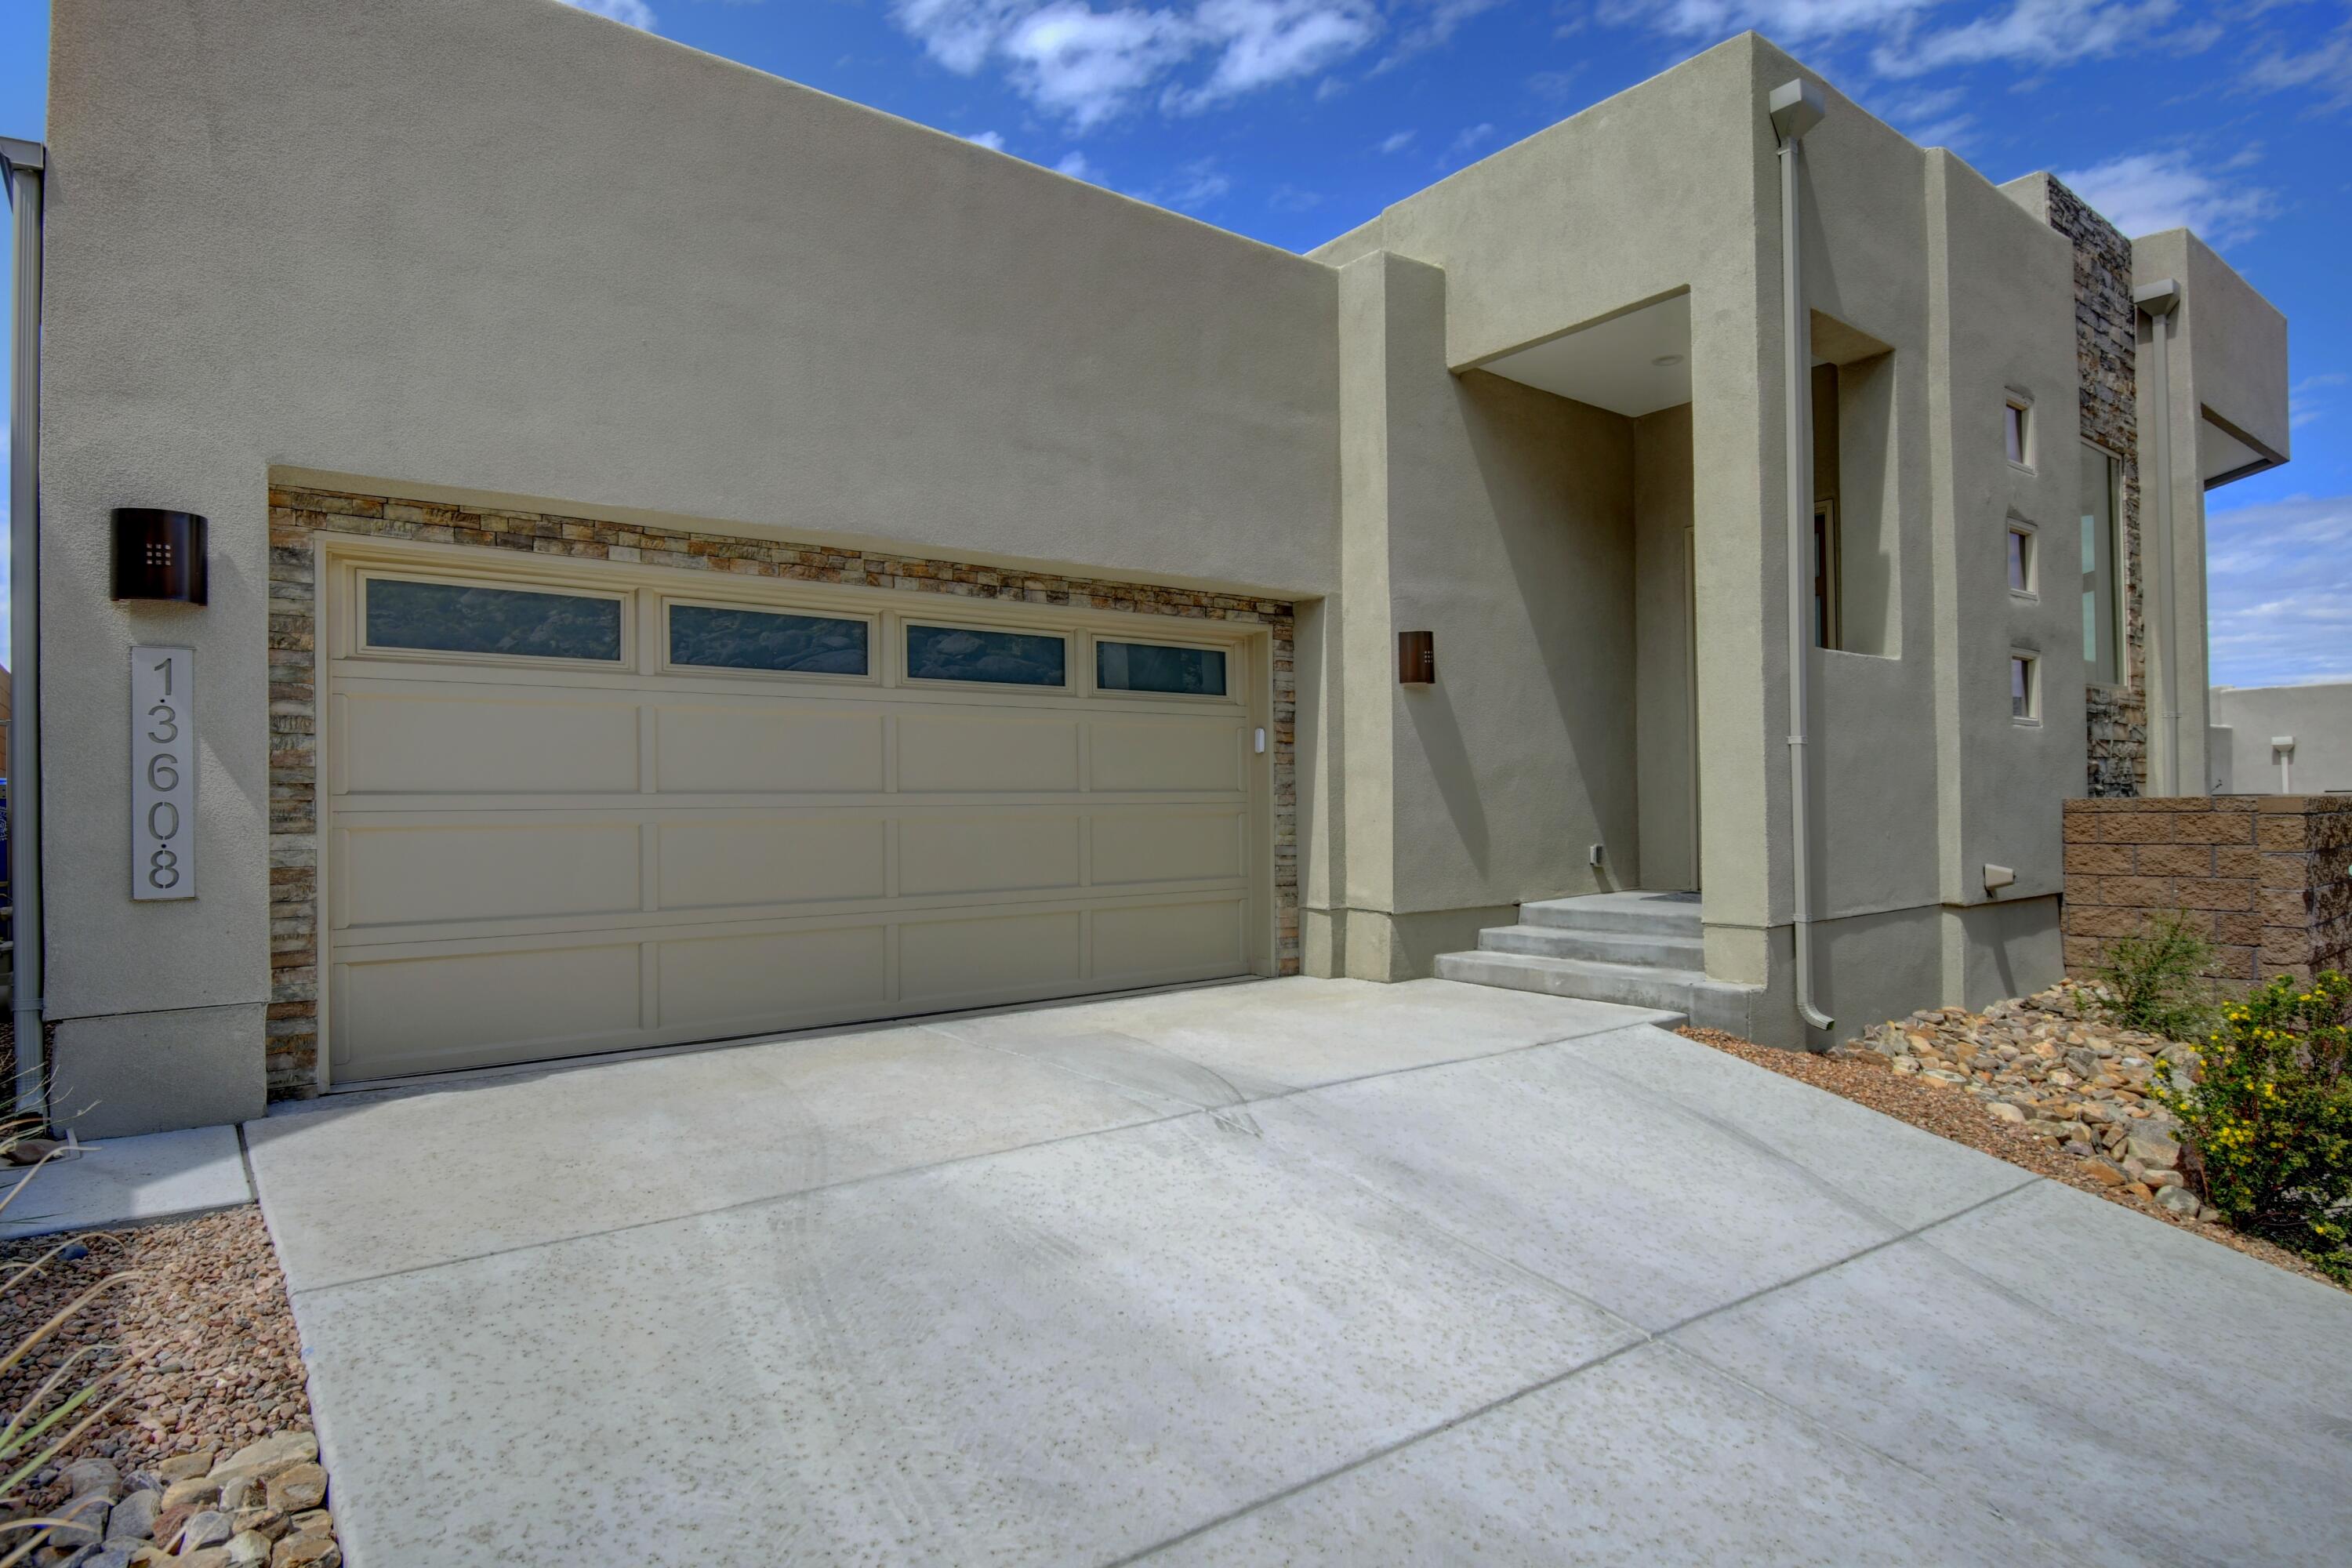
<point x="1712" y="1004"/>
<point x="1641" y="949"/>
<point x="1649" y="914"/>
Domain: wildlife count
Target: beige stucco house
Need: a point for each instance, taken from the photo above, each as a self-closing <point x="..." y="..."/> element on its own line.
<point x="2280" y="740"/>
<point x="691" y="557"/>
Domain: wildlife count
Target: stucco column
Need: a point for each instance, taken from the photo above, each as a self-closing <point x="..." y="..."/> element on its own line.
<point x="1741" y="636"/>
<point x="1363" y="877"/>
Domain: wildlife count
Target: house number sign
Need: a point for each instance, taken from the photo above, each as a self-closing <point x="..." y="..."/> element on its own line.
<point x="162" y="772"/>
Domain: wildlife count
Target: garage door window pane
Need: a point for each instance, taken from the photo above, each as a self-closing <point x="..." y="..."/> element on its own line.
<point x="1148" y="667"/>
<point x="456" y="617"/>
<point x="1005" y="658"/>
<point x="762" y="639"/>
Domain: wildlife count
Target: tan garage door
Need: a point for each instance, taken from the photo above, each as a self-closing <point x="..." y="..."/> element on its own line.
<point x="582" y="807"/>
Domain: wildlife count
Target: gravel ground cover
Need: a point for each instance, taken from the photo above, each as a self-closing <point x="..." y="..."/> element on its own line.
<point x="196" y="1325"/>
<point x="1939" y="1105"/>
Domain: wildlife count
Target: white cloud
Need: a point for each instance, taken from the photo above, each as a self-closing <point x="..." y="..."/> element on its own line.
<point x="991" y="140"/>
<point x="1926" y="115"/>
<point x="636" y="13"/>
<point x="2142" y="193"/>
<point x="959" y="34"/>
<point x="1952" y="132"/>
<point x="1436" y="27"/>
<point x="1555" y="85"/>
<point x="1085" y="64"/>
<point x="1088" y="62"/>
<point x="1789" y="21"/>
<point x="1196" y="184"/>
<point x="1470" y="139"/>
<point x="1074" y="163"/>
<point x="2279" y="591"/>
<point x="1396" y="141"/>
<point x="1262" y="42"/>
<point x="2327" y="66"/>
<point x="2303" y="399"/>
<point x="2031" y="33"/>
<point x="1906" y="36"/>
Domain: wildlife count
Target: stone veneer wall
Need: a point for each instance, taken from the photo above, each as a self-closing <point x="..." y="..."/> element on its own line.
<point x="2268" y="876"/>
<point x="298" y="516"/>
<point x="2106" y="332"/>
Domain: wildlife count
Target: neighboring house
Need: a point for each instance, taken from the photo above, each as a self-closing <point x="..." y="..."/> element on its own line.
<point x="691" y="556"/>
<point x="2282" y="740"/>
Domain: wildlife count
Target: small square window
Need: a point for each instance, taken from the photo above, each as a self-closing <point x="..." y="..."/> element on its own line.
<point x="2025" y="687"/>
<point x="2016" y="418"/>
<point x="2021" y="560"/>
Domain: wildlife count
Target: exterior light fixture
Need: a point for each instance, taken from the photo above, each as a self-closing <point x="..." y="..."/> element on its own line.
<point x="158" y="555"/>
<point x="1416" y="658"/>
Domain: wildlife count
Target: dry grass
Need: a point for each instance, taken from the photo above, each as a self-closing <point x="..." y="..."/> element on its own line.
<point x="1949" y="1114"/>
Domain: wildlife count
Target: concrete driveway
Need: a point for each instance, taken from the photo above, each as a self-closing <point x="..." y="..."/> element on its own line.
<point x="1299" y="1271"/>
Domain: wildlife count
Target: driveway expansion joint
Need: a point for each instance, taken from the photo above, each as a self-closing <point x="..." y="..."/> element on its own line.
<point x="1647" y="1338"/>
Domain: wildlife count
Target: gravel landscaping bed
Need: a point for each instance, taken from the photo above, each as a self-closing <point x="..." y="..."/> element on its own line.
<point x="209" y="1451"/>
<point x="2040" y="1082"/>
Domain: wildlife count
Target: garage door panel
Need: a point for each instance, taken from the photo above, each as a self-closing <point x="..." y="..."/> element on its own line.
<point x="1167" y="754"/>
<point x="945" y="963"/>
<point x="402" y="875"/>
<point x="1143" y="847"/>
<point x="774" y="980"/>
<point x="1157" y="942"/>
<point x="440" y="744"/>
<point x="423" y="1015"/>
<point x="525" y="860"/>
<point x="748" y="748"/>
<point x="735" y="861"/>
<point x="986" y="753"/>
<point x="995" y="854"/>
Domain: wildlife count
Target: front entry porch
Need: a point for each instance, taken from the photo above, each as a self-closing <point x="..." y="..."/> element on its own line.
<point x="1642" y="949"/>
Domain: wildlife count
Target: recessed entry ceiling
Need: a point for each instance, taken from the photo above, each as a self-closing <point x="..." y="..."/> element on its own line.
<point x="1632" y="365"/>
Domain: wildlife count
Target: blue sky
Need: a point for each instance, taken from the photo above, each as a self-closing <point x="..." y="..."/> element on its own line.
<point x="1292" y="121"/>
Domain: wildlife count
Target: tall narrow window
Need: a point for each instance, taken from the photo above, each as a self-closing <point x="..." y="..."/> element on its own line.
<point x="2102" y="613"/>
<point x="2025" y="687"/>
<point x="2021" y="558"/>
<point x="2016" y="431"/>
<point x="1825" y="574"/>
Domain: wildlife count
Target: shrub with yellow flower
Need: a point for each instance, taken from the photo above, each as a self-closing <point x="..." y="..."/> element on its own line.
<point x="2266" y="1115"/>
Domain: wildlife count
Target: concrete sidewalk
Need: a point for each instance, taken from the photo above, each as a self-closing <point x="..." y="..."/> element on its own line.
<point x="128" y="1180"/>
<point x="1304" y="1271"/>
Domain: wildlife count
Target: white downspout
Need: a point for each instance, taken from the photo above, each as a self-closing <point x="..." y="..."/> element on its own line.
<point x="25" y="164"/>
<point x="1797" y="107"/>
<point x="2159" y="300"/>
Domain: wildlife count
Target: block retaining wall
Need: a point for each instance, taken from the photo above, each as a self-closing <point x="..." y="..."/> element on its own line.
<point x="2266" y="879"/>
